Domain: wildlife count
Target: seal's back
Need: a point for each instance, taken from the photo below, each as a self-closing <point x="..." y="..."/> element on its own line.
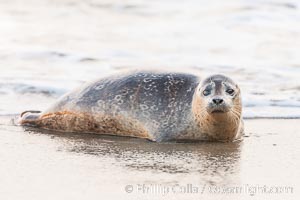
<point x="142" y="104"/>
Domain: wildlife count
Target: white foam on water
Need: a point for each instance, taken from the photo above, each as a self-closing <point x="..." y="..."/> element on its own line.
<point x="50" y="47"/>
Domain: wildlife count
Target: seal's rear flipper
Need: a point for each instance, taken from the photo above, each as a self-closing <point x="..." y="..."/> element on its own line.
<point x="29" y="117"/>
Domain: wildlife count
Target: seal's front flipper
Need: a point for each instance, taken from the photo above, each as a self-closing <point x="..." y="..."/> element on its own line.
<point x="29" y="118"/>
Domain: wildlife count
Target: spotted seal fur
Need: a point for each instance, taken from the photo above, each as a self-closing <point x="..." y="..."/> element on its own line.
<point x="153" y="105"/>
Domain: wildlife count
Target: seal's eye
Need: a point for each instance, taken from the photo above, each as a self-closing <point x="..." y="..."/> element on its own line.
<point x="206" y="92"/>
<point x="230" y="91"/>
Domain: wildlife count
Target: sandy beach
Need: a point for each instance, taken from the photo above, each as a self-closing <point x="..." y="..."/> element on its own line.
<point x="50" y="47"/>
<point x="49" y="165"/>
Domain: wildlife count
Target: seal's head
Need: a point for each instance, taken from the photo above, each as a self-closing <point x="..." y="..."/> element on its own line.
<point x="220" y="94"/>
<point x="217" y="108"/>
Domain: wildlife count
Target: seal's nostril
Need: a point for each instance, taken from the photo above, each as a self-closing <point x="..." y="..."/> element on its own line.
<point x="217" y="101"/>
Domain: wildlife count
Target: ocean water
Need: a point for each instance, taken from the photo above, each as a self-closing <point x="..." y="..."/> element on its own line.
<point x="50" y="47"/>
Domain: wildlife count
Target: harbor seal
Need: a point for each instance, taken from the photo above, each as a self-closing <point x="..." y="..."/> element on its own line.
<point x="154" y="105"/>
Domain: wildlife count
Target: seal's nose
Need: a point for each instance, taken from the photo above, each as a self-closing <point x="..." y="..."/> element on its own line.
<point x="218" y="101"/>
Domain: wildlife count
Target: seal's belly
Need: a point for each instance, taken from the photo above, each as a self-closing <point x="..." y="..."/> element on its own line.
<point x="84" y="122"/>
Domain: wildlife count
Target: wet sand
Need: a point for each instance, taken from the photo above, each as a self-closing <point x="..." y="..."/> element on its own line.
<point x="48" y="165"/>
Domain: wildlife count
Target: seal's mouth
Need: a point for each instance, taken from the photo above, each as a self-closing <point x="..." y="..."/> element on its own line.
<point x="218" y="111"/>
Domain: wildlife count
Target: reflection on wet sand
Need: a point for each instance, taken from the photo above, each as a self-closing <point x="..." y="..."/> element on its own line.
<point x="212" y="163"/>
<point x="84" y="166"/>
